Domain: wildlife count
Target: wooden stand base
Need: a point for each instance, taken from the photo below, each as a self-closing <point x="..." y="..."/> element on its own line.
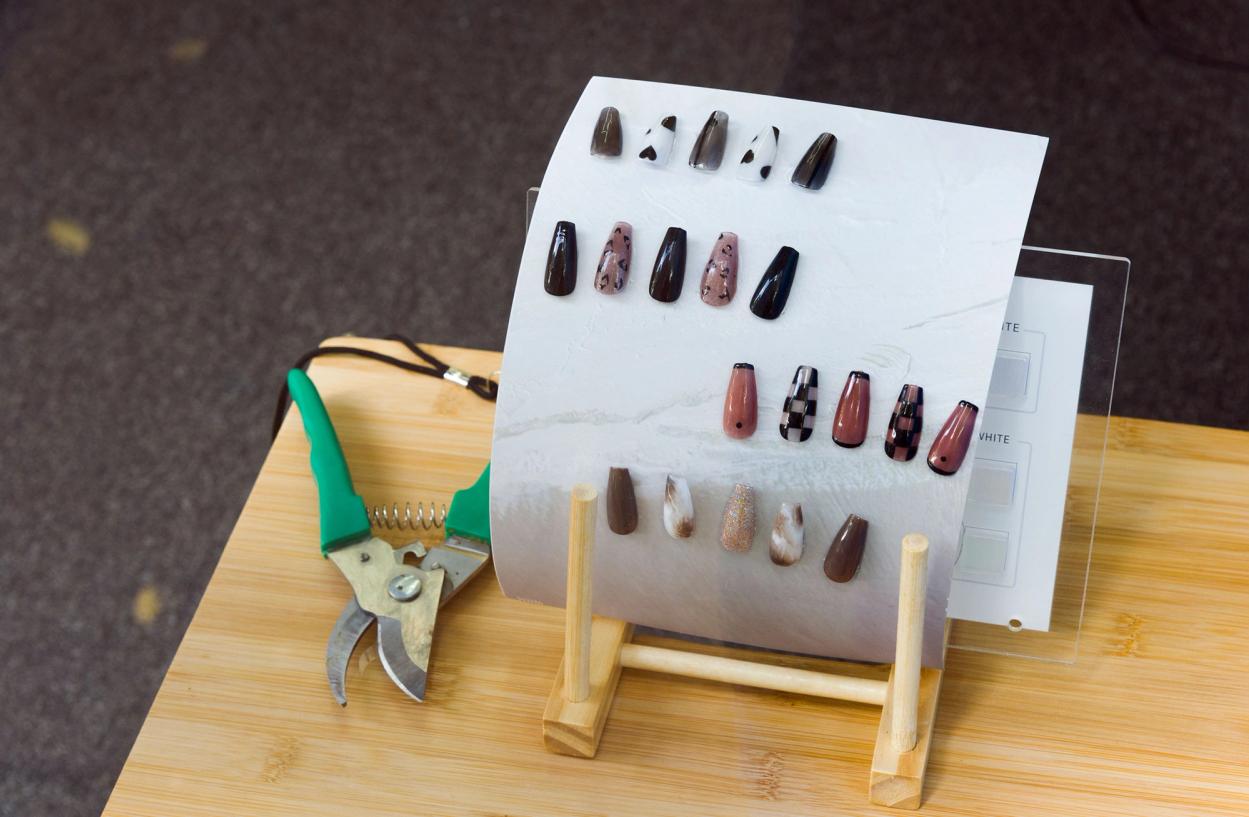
<point x="598" y="649"/>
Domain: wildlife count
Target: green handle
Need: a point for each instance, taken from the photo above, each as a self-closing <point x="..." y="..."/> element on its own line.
<point x="344" y="520"/>
<point x="470" y="510"/>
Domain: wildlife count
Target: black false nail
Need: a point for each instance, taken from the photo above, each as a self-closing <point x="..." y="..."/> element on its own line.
<point x="773" y="291"/>
<point x="708" y="149"/>
<point x="561" y="260"/>
<point x="669" y="272"/>
<point x="607" y="140"/>
<point x="812" y="171"/>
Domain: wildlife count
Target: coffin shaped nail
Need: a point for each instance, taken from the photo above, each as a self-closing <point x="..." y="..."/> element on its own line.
<point x="949" y="447"/>
<point x="741" y="403"/>
<point x="669" y="272"/>
<point x="613" y="265"/>
<point x="607" y="139"/>
<point x="737" y="526"/>
<point x="787" y="535"/>
<point x="902" y="438"/>
<point x="719" y="282"/>
<point x="622" y="503"/>
<point x="850" y="421"/>
<point x="798" y="414"/>
<point x="756" y="163"/>
<point x="678" y="508"/>
<point x="846" y="551"/>
<point x="657" y="141"/>
<point x="812" y="171"/>
<point x="770" y="296"/>
<point x="561" y="260"/>
<point x="708" y="149"/>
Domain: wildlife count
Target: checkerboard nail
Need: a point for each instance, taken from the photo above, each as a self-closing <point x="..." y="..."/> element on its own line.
<point x="902" y="438"/>
<point x="798" y="415"/>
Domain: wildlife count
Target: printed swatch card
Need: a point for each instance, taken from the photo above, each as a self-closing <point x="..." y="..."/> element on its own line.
<point x="892" y="256"/>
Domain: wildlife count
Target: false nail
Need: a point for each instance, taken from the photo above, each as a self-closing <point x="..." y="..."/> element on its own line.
<point x="902" y="438"/>
<point x="669" y="273"/>
<point x="850" y="421"/>
<point x="773" y="291"/>
<point x="812" y="171"/>
<point x="657" y="141"/>
<point x="708" y="149"/>
<point x="719" y="282"/>
<point x="607" y="139"/>
<point x="737" y="527"/>
<point x="741" y="403"/>
<point x="787" y="535"/>
<point x="561" y="260"/>
<point x="798" y="414"/>
<point x="622" y="503"/>
<point x="756" y="163"/>
<point x="613" y="265"/>
<point x="678" y="508"/>
<point x="846" y="551"/>
<point x="950" y="445"/>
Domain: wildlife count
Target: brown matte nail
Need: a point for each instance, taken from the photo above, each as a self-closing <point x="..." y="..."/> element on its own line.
<point x="741" y="403"/>
<point x="737" y="526"/>
<point x="850" y="421"/>
<point x="719" y="282"/>
<point x="902" y="437"/>
<point x="951" y="443"/>
<point x="622" y="504"/>
<point x="846" y="551"/>
<point x="613" y="265"/>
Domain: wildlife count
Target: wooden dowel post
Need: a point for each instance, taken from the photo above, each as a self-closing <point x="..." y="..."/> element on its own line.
<point x="912" y="593"/>
<point x="581" y="519"/>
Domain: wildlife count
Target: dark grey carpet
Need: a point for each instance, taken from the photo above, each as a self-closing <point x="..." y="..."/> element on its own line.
<point x="347" y="167"/>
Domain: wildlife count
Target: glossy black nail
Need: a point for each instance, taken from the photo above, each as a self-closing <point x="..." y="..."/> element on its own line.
<point x="607" y="139"/>
<point x="669" y="273"/>
<point x="708" y="149"/>
<point x="561" y="260"/>
<point x="812" y="171"/>
<point x="770" y="296"/>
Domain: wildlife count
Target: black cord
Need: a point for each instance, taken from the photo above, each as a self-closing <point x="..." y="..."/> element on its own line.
<point x="483" y="387"/>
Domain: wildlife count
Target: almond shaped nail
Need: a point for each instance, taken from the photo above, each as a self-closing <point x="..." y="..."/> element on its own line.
<point x="787" y="535"/>
<point x="608" y="139"/>
<point x="561" y="260"/>
<point x="668" y="276"/>
<point x="949" y="448"/>
<point x="905" y="425"/>
<point x="756" y="163"/>
<point x="846" y="551"/>
<point x="622" y="503"/>
<point x="613" y="265"/>
<point x="812" y="170"/>
<point x="850" y="421"/>
<point x="678" y="508"/>
<point x="708" y="149"/>
<point x="737" y="526"/>
<point x="798" y="413"/>
<point x="657" y="141"/>
<point x="741" y="403"/>
<point x="771" y="295"/>
<point x="719" y="283"/>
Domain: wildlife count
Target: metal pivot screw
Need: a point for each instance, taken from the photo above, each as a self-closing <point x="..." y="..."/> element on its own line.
<point x="364" y="557"/>
<point x="404" y="587"/>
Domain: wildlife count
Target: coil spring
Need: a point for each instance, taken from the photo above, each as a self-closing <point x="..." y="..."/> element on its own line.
<point x="391" y="517"/>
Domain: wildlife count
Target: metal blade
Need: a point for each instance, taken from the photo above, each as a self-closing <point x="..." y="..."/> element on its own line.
<point x="461" y="559"/>
<point x="405" y="672"/>
<point x="351" y="624"/>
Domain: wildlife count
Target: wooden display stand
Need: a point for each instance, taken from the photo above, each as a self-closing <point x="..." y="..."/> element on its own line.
<point x="596" y="649"/>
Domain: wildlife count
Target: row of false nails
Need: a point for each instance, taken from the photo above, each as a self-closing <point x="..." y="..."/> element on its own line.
<point x="945" y="456"/>
<point x="719" y="279"/>
<point x="737" y="524"/>
<point x="708" y="152"/>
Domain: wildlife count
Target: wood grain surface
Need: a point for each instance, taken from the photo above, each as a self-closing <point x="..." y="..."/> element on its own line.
<point x="1153" y="719"/>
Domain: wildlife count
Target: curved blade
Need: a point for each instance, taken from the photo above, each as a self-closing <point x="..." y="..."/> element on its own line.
<point x="406" y="673"/>
<point x="351" y="624"/>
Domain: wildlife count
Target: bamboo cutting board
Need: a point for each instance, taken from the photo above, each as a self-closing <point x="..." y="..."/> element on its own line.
<point x="1152" y="720"/>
